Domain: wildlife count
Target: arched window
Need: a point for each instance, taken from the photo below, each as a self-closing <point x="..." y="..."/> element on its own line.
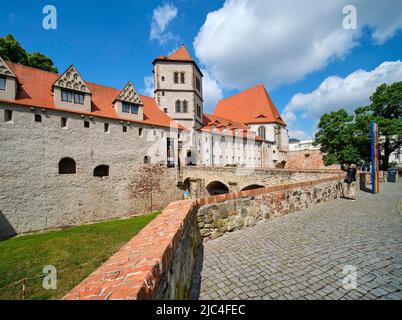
<point x="67" y="166"/>
<point x="147" y="160"/>
<point x="185" y="106"/>
<point x="101" y="171"/>
<point x="261" y="132"/>
<point x="178" y="108"/>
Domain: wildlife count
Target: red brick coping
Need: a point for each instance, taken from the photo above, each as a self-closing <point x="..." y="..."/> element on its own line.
<point x="135" y="271"/>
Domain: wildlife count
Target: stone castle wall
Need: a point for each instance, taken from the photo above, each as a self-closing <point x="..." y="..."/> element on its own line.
<point x="306" y="159"/>
<point x="34" y="196"/>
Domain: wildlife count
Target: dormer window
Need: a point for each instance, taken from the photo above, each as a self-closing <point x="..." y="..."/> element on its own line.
<point x="66" y="96"/>
<point x="78" y="98"/>
<point x="2" y="83"/>
<point x="130" y="108"/>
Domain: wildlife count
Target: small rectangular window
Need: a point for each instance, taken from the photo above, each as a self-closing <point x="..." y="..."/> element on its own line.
<point x="86" y="124"/>
<point x="64" y="122"/>
<point x="134" y="109"/>
<point x="124" y="129"/>
<point x="78" y="98"/>
<point x="38" y="118"/>
<point x="163" y="78"/>
<point x="106" y="128"/>
<point x="2" y="83"/>
<point x="8" y="116"/>
<point x="165" y="110"/>
<point x="176" y="77"/>
<point x="182" y="77"/>
<point x="140" y="132"/>
<point x="126" y="107"/>
<point x="66" y="96"/>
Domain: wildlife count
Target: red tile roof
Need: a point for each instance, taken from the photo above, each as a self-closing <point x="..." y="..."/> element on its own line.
<point x="213" y="122"/>
<point x="253" y="105"/>
<point x="35" y="89"/>
<point x="180" y="54"/>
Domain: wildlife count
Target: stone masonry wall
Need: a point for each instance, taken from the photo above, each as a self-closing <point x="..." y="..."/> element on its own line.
<point x="227" y="213"/>
<point x="156" y="264"/>
<point x="34" y="196"/>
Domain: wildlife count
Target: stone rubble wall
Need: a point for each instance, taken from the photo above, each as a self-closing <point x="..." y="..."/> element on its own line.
<point x="227" y="213"/>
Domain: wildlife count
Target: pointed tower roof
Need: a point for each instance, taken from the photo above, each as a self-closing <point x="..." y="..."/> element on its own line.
<point x="128" y="94"/>
<point x="4" y="69"/>
<point x="71" y="79"/>
<point x="180" y="55"/>
<point x="253" y="105"/>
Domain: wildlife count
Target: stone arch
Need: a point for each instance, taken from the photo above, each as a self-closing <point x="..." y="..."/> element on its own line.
<point x="217" y="187"/>
<point x="67" y="166"/>
<point x="101" y="171"/>
<point x="252" y="187"/>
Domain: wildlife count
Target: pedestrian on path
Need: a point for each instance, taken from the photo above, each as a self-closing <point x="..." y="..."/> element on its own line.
<point x="350" y="182"/>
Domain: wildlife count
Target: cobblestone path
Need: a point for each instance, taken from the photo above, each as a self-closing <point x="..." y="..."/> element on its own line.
<point x="302" y="255"/>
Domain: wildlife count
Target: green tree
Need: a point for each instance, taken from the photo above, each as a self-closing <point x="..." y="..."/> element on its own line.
<point x="346" y="138"/>
<point x="11" y="50"/>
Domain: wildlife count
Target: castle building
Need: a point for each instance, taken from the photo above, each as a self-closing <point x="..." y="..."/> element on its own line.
<point x="73" y="151"/>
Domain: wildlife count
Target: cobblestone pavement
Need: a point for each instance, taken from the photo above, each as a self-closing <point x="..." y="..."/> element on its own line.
<point x="302" y="255"/>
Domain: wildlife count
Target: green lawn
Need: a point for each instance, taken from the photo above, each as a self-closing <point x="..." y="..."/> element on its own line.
<point x="25" y="256"/>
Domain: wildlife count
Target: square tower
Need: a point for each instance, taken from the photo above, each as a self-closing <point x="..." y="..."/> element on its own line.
<point x="178" y="88"/>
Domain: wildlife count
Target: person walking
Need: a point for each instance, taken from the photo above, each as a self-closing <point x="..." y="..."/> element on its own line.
<point x="350" y="181"/>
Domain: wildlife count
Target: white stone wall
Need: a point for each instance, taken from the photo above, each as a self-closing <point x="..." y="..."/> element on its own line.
<point x="34" y="196"/>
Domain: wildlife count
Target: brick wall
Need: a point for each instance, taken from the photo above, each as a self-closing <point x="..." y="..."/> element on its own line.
<point x="156" y="263"/>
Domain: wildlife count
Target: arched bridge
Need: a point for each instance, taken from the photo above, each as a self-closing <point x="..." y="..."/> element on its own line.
<point x="205" y="181"/>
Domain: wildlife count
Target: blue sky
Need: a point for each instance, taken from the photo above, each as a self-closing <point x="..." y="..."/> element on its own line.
<point x="242" y="43"/>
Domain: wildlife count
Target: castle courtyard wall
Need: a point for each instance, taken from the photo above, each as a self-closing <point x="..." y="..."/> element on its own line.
<point x="34" y="196"/>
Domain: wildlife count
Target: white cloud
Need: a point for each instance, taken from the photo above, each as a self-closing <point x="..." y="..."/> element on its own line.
<point x="149" y="86"/>
<point x="212" y="92"/>
<point x="161" y="18"/>
<point x="299" y="134"/>
<point x="335" y="92"/>
<point x="280" y="41"/>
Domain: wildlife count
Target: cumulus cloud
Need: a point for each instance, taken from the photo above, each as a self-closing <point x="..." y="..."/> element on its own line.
<point x="280" y="41"/>
<point x="336" y="92"/>
<point x="212" y="92"/>
<point x="161" y="18"/>
<point x="149" y="86"/>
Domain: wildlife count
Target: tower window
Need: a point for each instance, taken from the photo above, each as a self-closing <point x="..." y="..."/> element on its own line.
<point x="64" y="122"/>
<point x="67" y="166"/>
<point x="165" y="110"/>
<point x="2" y="83"/>
<point x="198" y="110"/>
<point x="124" y="129"/>
<point x="182" y="77"/>
<point x="176" y="77"/>
<point x="8" y="116"/>
<point x="140" y="132"/>
<point x="163" y="93"/>
<point x="163" y="78"/>
<point x="38" y="118"/>
<point x="198" y="84"/>
<point x="185" y="106"/>
<point x="86" y="124"/>
<point x="178" y="107"/>
<point x="261" y="132"/>
<point x="106" y="127"/>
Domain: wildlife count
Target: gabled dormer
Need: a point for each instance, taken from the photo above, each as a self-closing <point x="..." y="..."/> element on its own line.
<point x="71" y="92"/>
<point x="8" y="82"/>
<point x="128" y="103"/>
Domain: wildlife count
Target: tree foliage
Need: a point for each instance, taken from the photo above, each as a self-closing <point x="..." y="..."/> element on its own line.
<point x="11" y="50"/>
<point x="346" y="138"/>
